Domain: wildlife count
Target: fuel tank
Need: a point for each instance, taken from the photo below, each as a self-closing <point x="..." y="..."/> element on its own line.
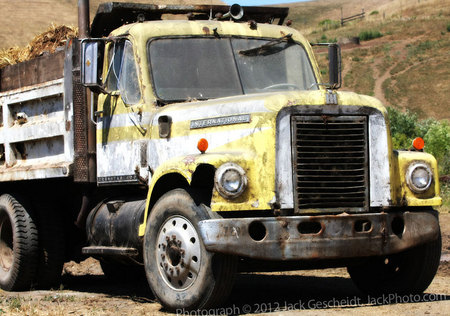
<point x="115" y="223"/>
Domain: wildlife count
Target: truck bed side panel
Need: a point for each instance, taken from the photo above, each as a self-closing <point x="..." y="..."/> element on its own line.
<point x="36" y="135"/>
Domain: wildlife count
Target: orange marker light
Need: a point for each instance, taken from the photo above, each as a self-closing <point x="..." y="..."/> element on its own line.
<point x="202" y="145"/>
<point x="418" y="143"/>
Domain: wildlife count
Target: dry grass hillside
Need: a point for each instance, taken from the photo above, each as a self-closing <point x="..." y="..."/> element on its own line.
<point x="21" y="21"/>
<point x="407" y="67"/>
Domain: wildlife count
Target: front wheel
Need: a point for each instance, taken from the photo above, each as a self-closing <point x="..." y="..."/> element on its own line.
<point x="180" y="271"/>
<point x="407" y="272"/>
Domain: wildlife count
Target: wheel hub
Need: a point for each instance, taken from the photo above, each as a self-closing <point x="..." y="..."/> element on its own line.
<point x="173" y="253"/>
<point x="178" y="252"/>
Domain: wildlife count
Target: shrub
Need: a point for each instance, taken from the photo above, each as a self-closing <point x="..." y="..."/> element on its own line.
<point x="437" y="143"/>
<point x="406" y="126"/>
<point x="329" y="24"/>
<point x="368" y="35"/>
<point x="374" y="12"/>
<point x="448" y="27"/>
<point x="324" y="39"/>
<point x="403" y="123"/>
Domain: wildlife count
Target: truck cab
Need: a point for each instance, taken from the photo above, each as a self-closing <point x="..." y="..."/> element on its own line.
<point x="218" y="144"/>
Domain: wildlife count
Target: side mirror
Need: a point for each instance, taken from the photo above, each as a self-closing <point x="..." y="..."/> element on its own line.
<point x="91" y="63"/>
<point x="334" y="64"/>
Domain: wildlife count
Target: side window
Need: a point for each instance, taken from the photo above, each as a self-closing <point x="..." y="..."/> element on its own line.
<point x="115" y="54"/>
<point x="122" y="74"/>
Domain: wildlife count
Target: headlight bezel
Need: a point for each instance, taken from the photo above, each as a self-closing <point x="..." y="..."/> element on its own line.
<point x="410" y="174"/>
<point x="219" y="179"/>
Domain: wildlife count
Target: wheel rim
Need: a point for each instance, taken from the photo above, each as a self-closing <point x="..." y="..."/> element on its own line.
<point x="178" y="253"/>
<point x="6" y="243"/>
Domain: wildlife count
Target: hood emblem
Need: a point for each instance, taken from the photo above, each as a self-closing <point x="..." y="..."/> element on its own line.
<point x="331" y="98"/>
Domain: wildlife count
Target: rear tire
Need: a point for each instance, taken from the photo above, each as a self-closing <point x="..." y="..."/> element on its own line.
<point x="407" y="272"/>
<point x="18" y="246"/>
<point x="180" y="271"/>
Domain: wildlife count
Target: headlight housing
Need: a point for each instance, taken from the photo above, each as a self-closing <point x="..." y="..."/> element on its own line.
<point x="230" y="180"/>
<point x="419" y="177"/>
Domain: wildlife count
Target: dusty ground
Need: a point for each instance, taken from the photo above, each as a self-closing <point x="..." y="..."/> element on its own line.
<point x="85" y="291"/>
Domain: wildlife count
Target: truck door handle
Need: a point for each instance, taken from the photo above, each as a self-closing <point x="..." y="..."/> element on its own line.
<point x="164" y="124"/>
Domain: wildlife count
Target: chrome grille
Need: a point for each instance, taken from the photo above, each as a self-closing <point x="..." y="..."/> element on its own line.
<point x="330" y="163"/>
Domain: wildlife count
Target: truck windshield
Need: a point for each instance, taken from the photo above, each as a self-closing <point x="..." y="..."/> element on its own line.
<point x="205" y="68"/>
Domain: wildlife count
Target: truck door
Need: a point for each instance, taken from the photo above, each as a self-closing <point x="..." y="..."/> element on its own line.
<point x="121" y="145"/>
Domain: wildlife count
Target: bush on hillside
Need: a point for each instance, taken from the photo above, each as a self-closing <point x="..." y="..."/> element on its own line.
<point x="407" y="126"/>
<point x="328" y="24"/>
<point x="369" y="35"/>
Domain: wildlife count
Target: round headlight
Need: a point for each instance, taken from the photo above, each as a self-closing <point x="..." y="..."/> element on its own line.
<point x="230" y="180"/>
<point x="419" y="177"/>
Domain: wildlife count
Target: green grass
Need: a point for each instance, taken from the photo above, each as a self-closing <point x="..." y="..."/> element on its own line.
<point x="58" y="298"/>
<point x="369" y="35"/>
<point x="329" y="24"/>
<point x="421" y="48"/>
<point x="15" y="303"/>
<point x="445" y="195"/>
<point x="360" y="78"/>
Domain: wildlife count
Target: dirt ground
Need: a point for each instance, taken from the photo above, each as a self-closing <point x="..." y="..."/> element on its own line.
<point x="86" y="291"/>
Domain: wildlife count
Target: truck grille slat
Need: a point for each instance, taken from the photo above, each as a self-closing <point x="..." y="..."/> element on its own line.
<point x="330" y="162"/>
<point x="331" y="190"/>
<point x="314" y="194"/>
<point x="340" y="205"/>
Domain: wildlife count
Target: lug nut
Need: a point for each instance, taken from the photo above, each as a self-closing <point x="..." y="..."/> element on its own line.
<point x="179" y="243"/>
<point x="163" y="256"/>
<point x="167" y="238"/>
<point x="178" y="271"/>
<point x="166" y="266"/>
<point x="171" y="271"/>
<point x="174" y="237"/>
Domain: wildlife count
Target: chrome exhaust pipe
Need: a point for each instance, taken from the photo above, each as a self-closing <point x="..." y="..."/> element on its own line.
<point x="236" y="12"/>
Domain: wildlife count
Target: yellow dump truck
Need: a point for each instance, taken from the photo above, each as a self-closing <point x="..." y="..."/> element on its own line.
<point x="193" y="141"/>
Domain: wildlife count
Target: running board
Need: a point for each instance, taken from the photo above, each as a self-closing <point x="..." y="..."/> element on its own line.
<point x="110" y="251"/>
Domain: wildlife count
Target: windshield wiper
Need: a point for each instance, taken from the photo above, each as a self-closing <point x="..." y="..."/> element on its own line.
<point x="268" y="48"/>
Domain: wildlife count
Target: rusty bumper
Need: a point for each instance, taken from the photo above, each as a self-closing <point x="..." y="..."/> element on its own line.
<point x="319" y="237"/>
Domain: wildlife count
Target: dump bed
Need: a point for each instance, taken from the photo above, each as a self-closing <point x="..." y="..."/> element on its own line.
<point x="36" y="134"/>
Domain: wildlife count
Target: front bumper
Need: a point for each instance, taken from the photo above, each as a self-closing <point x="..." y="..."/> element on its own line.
<point x="319" y="237"/>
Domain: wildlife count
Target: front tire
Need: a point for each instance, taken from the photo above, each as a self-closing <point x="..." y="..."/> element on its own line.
<point x="407" y="272"/>
<point x="18" y="246"/>
<point x="180" y="271"/>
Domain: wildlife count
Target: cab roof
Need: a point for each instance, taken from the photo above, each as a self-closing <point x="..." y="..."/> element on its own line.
<point x="112" y="15"/>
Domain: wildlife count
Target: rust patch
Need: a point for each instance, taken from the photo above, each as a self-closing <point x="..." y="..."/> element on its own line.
<point x="206" y="30"/>
<point x="189" y="160"/>
<point x="253" y="25"/>
<point x="284" y="237"/>
<point x="67" y="126"/>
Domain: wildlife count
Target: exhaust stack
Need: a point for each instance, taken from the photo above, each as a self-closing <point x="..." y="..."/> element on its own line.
<point x="83" y="18"/>
<point x="236" y="12"/>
